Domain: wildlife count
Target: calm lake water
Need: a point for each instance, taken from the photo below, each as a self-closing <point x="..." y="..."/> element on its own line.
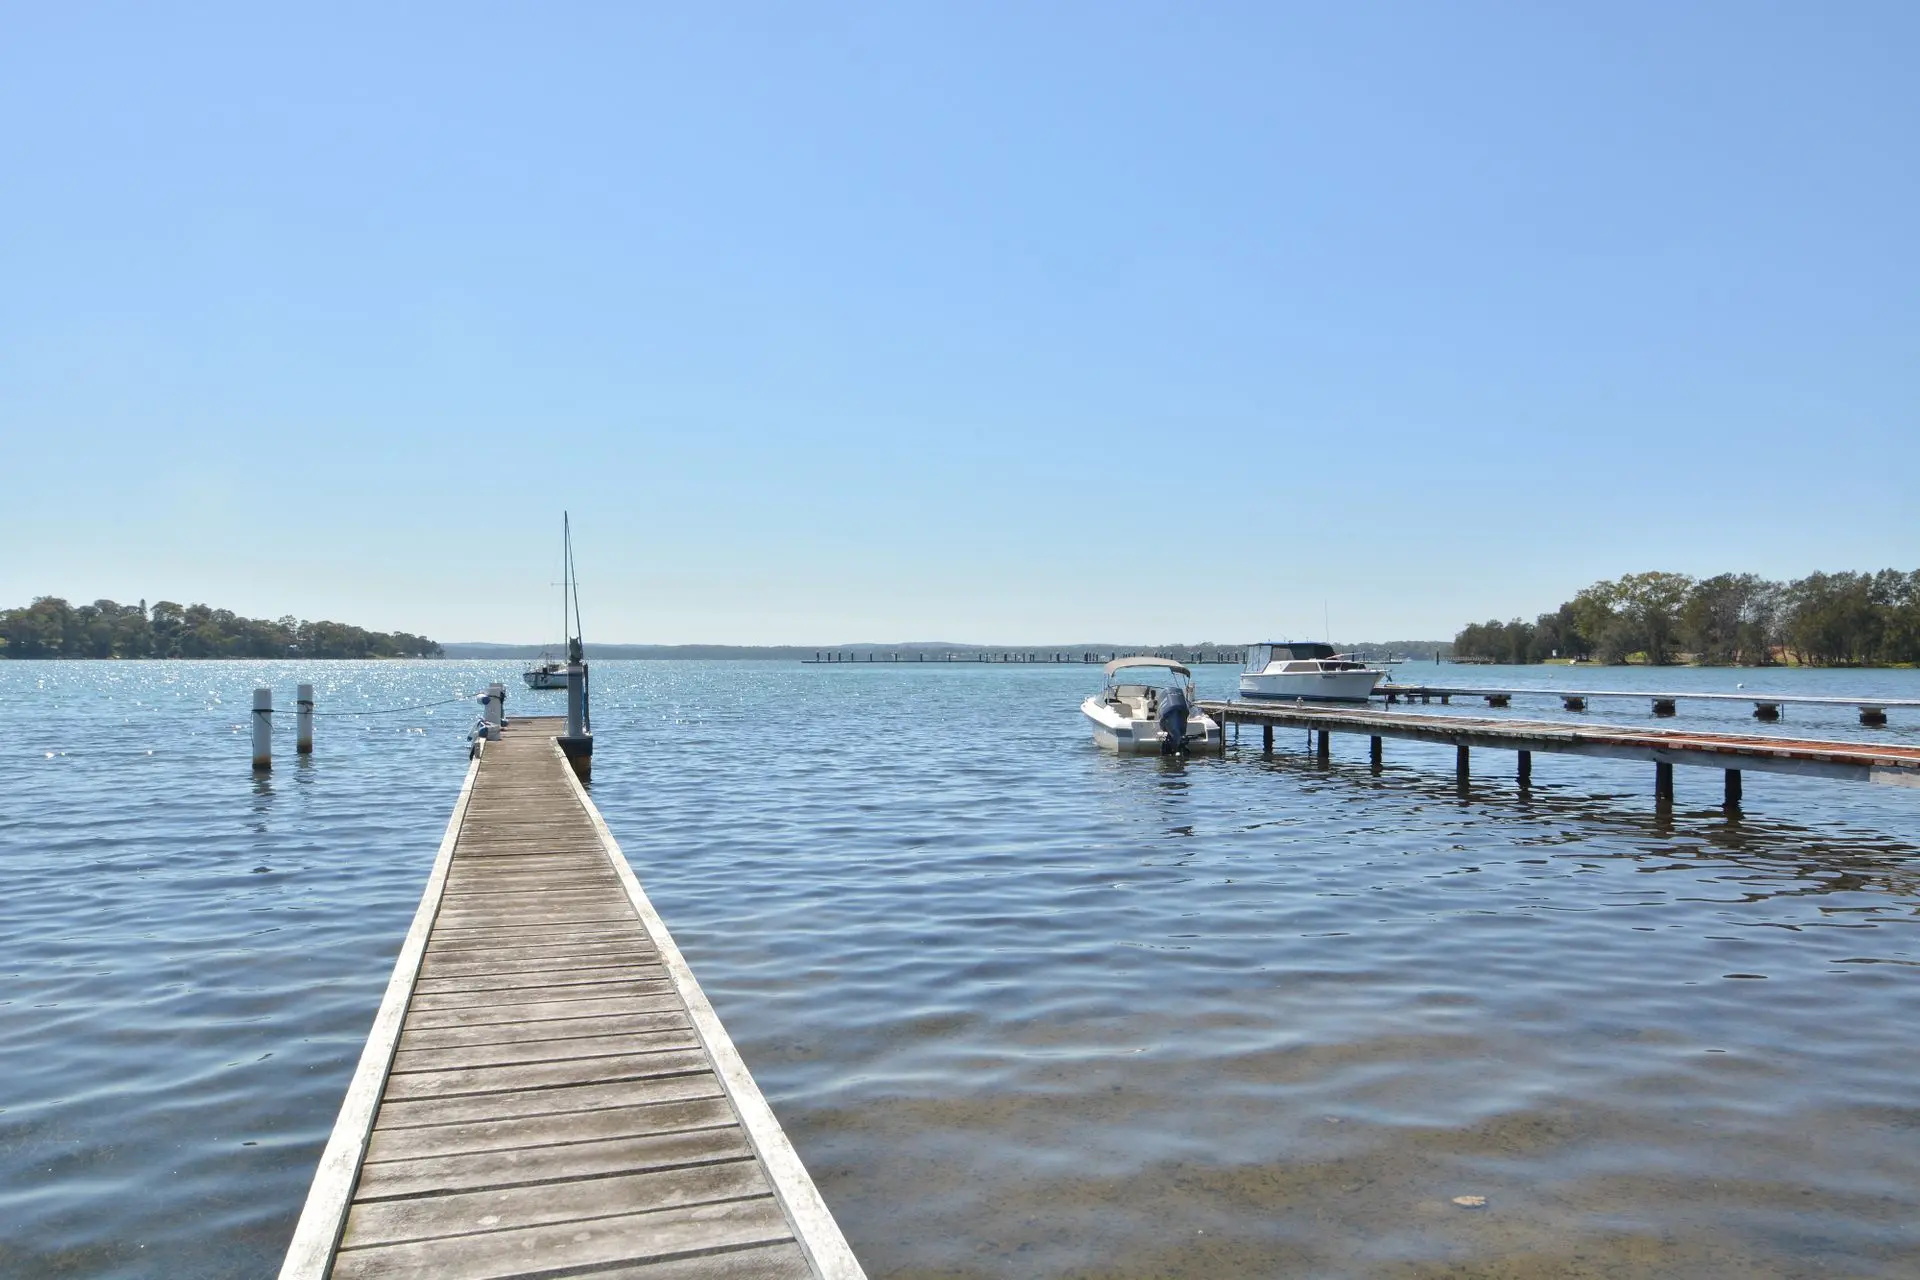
<point x="1026" y="1009"/>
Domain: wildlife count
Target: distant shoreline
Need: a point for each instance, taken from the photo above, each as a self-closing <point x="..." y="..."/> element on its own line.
<point x="1422" y="650"/>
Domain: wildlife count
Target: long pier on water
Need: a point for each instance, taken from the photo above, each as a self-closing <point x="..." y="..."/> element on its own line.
<point x="1663" y="748"/>
<point x="545" y="1090"/>
<point x="1766" y="706"/>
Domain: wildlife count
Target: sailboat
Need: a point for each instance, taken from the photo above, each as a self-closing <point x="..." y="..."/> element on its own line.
<point x="549" y="674"/>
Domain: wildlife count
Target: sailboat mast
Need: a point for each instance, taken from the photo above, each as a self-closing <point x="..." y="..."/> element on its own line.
<point x="568" y="622"/>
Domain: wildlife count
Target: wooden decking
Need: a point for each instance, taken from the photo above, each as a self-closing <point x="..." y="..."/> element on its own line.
<point x="546" y="1091"/>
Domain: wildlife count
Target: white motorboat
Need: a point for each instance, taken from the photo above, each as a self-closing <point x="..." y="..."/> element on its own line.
<point x="1153" y="711"/>
<point x="1305" y="671"/>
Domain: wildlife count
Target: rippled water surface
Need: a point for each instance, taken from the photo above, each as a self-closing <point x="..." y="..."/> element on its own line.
<point x="1026" y="1009"/>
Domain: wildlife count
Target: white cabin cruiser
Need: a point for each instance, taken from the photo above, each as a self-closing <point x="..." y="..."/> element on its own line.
<point x="1145" y="714"/>
<point x="1307" y="671"/>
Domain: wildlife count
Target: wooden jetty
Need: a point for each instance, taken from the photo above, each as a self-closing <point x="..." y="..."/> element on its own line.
<point x="1766" y="706"/>
<point x="1663" y="748"/>
<point x="545" y="1090"/>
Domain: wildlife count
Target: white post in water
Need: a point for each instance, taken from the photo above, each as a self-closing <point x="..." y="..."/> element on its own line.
<point x="262" y="729"/>
<point x="303" y="719"/>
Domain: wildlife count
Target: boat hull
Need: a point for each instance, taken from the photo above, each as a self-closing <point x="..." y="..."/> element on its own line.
<point x="1310" y="686"/>
<point x="545" y="679"/>
<point x="1144" y="737"/>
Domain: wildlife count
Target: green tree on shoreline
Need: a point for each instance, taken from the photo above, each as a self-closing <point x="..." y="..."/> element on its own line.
<point x="1823" y="619"/>
<point x="51" y="628"/>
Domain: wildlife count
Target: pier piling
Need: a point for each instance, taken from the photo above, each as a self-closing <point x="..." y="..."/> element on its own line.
<point x="303" y="720"/>
<point x="262" y="730"/>
<point x="1524" y="768"/>
<point x="1732" y="801"/>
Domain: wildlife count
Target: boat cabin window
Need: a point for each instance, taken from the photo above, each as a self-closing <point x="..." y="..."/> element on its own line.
<point x="1259" y="655"/>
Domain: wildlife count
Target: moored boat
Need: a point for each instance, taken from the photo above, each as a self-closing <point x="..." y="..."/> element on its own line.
<point x="1145" y="714"/>
<point x="1305" y="670"/>
<point x="548" y="675"/>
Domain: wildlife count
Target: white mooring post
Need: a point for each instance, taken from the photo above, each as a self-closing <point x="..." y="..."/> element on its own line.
<point x="576" y="699"/>
<point x="303" y="719"/>
<point x="496" y="710"/>
<point x="262" y="729"/>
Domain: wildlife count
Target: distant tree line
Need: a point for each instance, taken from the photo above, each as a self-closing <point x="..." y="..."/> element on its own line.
<point x="1823" y="619"/>
<point x="52" y="628"/>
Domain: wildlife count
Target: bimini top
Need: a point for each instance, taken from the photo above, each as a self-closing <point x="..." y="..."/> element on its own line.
<point x="1168" y="663"/>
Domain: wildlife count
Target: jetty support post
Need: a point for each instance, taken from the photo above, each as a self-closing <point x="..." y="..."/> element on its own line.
<point x="1460" y="771"/>
<point x="1732" y="801"/>
<point x="1525" y="770"/>
<point x="262" y="730"/>
<point x="1663" y="706"/>
<point x="1873" y="717"/>
<point x="1266" y="739"/>
<point x="1323" y="749"/>
<point x="303" y="720"/>
<point x="1374" y="752"/>
<point x="1662" y="783"/>
<point x="577" y="744"/>
<point x="1766" y="711"/>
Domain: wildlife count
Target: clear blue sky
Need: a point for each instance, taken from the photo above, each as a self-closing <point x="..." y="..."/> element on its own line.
<point x="976" y="322"/>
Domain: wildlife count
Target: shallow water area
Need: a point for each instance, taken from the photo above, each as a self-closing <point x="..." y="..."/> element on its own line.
<point x="1026" y="1008"/>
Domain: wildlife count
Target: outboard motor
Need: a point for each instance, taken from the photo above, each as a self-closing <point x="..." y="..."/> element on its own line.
<point x="1174" y="710"/>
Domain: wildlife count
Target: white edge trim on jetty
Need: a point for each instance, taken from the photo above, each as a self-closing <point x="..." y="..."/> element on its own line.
<point x="317" y="1238"/>
<point x="813" y="1225"/>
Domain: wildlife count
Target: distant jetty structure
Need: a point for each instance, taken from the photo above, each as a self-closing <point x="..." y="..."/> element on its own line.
<point x="1087" y="657"/>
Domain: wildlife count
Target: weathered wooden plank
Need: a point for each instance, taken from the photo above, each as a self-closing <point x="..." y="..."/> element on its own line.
<point x="443" y="1084"/>
<point x="450" y="941"/>
<point x="544" y="980"/>
<point x="759" y="1262"/>
<point x="554" y="1248"/>
<point x="429" y="1002"/>
<point x="546" y="1130"/>
<point x="544" y="1050"/>
<point x="471" y="1212"/>
<point x="613" y="956"/>
<point x="563" y="949"/>
<point x="533" y="1102"/>
<point x="658" y="999"/>
<point x="548" y="1029"/>
<point x="527" y="1166"/>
